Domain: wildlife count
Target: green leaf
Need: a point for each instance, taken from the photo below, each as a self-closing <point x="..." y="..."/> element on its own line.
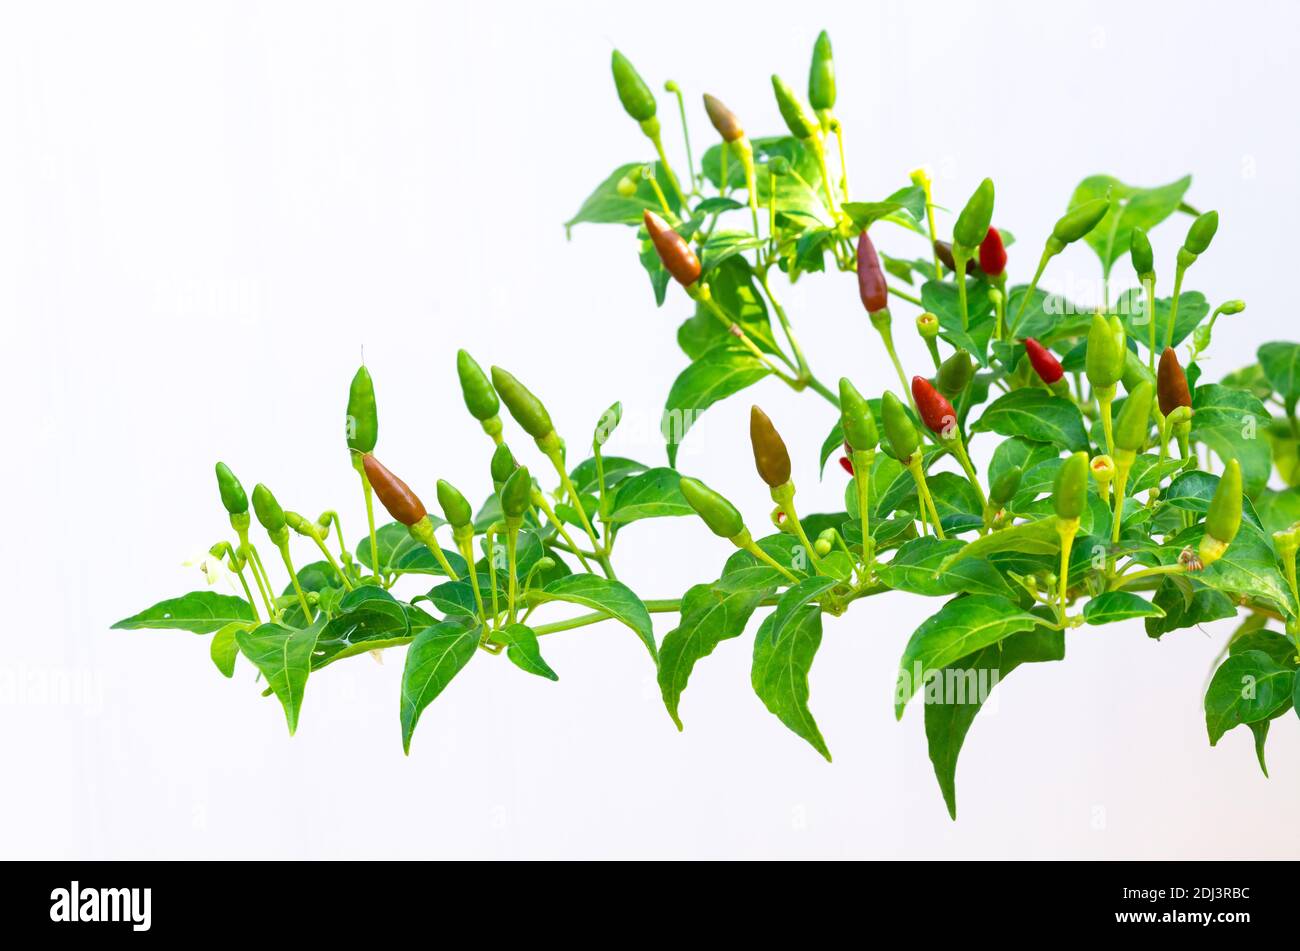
<point x="1278" y="511"/>
<point x="722" y="245"/>
<point x="966" y="685"/>
<point x="1131" y="306"/>
<point x="1250" y="378"/>
<point x="1031" y="538"/>
<point x="961" y="627"/>
<point x="606" y="206"/>
<point x="283" y="655"/>
<point x="1050" y="318"/>
<point x="224" y="649"/>
<point x="916" y="568"/>
<point x="603" y="594"/>
<point x="956" y="502"/>
<point x="200" y="612"/>
<point x="1275" y="645"/>
<point x="616" y="469"/>
<point x="1019" y="451"/>
<point x="651" y="494"/>
<point x="734" y="290"/>
<point x="1281" y="364"/>
<point x="711" y="613"/>
<point x="1247" y="687"/>
<point x="722" y="372"/>
<point x="1038" y="415"/>
<point x="1248" y="568"/>
<point x="437" y="654"/>
<point x="1131" y="207"/>
<point x="366" y="614"/>
<point x="1227" y="420"/>
<point x="1187" y="608"/>
<point x="1193" y="490"/>
<point x="941" y="299"/>
<point x="784" y="649"/>
<point x="399" y="552"/>
<point x="522" y="650"/>
<point x="1118" y="606"/>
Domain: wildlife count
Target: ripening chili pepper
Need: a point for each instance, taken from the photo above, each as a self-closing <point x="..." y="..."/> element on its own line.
<point x="856" y="419"/>
<point x="232" y="493"/>
<point x="720" y="515"/>
<point x="454" y="506"/>
<point x="1077" y="222"/>
<point x="973" y="223"/>
<point x="1104" y="360"/>
<point x="1043" y="361"/>
<point x="677" y="256"/>
<point x="723" y="119"/>
<point x="871" y="277"/>
<point x="1143" y="258"/>
<point x="268" y="510"/>
<point x="1070" y="493"/>
<point x="1134" y="421"/>
<point x="821" y="75"/>
<point x="900" y="431"/>
<point x="1201" y="233"/>
<point x="1171" y="383"/>
<point x="846" y="464"/>
<point x="516" y="494"/>
<point x="954" y="374"/>
<point x="396" y="496"/>
<point x="1223" y="518"/>
<point x="771" y="458"/>
<point x="526" y="408"/>
<point x="363" y="418"/>
<point x="801" y="125"/>
<point x="1005" y="486"/>
<point x="503" y="463"/>
<point x="993" y="254"/>
<point x="480" y="399"/>
<point x="934" y="409"/>
<point x="633" y="93"/>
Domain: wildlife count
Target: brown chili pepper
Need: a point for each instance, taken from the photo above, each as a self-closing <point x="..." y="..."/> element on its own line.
<point x="770" y="455"/>
<point x="1171" y="383"/>
<point x="676" y="255"/>
<point x="723" y="119"/>
<point x="943" y="250"/>
<point x="871" y="277"/>
<point x="396" y="496"/>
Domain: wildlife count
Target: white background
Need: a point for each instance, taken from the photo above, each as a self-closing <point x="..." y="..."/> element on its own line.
<point x="207" y="210"/>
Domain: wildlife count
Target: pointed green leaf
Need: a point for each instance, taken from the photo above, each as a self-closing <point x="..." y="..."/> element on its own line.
<point x="1029" y="538"/>
<point x="651" y="494"/>
<point x="1247" y="687"/>
<point x="1232" y="423"/>
<point x="612" y="597"/>
<point x="1118" y="606"/>
<point x="1131" y="207"/>
<point x="283" y="655"/>
<point x="1038" y="415"/>
<point x="224" y="648"/>
<point x="436" y="655"/>
<point x="916" y="568"/>
<point x="1281" y="364"/>
<point x="522" y="650"/>
<point x="200" y="612"/>
<point x="717" y="374"/>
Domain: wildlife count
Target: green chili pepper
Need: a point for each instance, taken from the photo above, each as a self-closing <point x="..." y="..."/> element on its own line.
<point x="801" y="125"/>
<point x="268" y="510"/>
<point x="526" y="408"/>
<point x="1077" y="222"/>
<point x="363" y="419"/>
<point x="1223" y="518"/>
<point x="1070" y="493"/>
<point x="480" y="399"/>
<point x="900" y="431"/>
<point x="821" y="76"/>
<point x="1135" y="371"/>
<point x="1004" y="486"/>
<point x="1134" y="420"/>
<point x="1201" y="233"/>
<point x="454" y="505"/>
<point x="638" y="101"/>
<point x="503" y="464"/>
<point x="973" y="222"/>
<point x="955" y="373"/>
<point x="516" y="494"/>
<point x="720" y="515"/>
<point x="856" y="419"/>
<point x="771" y="458"/>
<point x="1144" y="261"/>
<point x="1104" y="360"/>
<point x="232" y="493"/>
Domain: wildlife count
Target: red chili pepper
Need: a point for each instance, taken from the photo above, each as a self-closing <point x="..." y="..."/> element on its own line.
<point x="396" y="496"/>
<point x="871" y="277"/>
<point x="1045" y="365"/>
<point x="936" y="412"/>
<point x="993" y="256"/>
<point x="1171" y="383"/>
<point x="677" y="256"/>
<point x="846" y="464"/>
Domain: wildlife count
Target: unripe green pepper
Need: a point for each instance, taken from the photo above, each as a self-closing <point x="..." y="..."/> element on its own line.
<point x="516" y="493"/>
<point x="856" y="419"/>
<point x="821" y="75"/>
<point x="232" y="493"/>
<point x="1223" y="518"/>
<point x="1135" y="371"/>
<point x="1201" y="233"/>
<point x="899" y="428"/>
<point x="1070" y="493"/>
<point x="455" y="507"/>
<point x="302" y="525"/>
<point x="720" y="515"/>
<point x="1134" y="420"/>
<point x="1144" y="261"/>
<point x="1077" y="222"/>
<point x="955" y="373"/>
<point x="927" y="325"/>
<point x="771" y="458"/>
<point x="503" y="464"/>
<point x="267" y="509"/>
<point x="1004" y="486"/>
<point x="1104" y="360"/>
<point x="801" y="125"/>
<point x="526" y="408"/>
<point x="480" y="399"/>
<point x="638" y="101"/>
<point x="363" y="418"/>
<point x="973" y="222"/>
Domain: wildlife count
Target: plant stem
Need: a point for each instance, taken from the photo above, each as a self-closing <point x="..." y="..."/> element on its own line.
<point x="960" y="260"/>
<point x="557" y="460"/>
<point x="293" y="576"/>
<point x="903" y="295"/>
<point x="804" y="371"/>
<point x="1173" y="309"/>
<point x="320" y="543"/>
<point x="370" y="514"/>
<point x="1150" y="286"/>
<point x="768" y="560"/>
<point x="539" y="499"/>
<point x="923" y="488"/>
<point x="512" y="533"/>
<point x="686" y="135"/>
<point x="658" y="141"/>
<point x="1029" y="291"/>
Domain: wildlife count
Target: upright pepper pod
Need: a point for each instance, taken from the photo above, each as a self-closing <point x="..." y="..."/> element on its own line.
<point x="526" y="408"/>
<point x="1134" y="421"/>
<point x="232" y="493"/>
<point x="502" y="465"/>
<point x="1171" y="383"/>
<point x="871" y="277"/>
<point x="900" y="431"/>
<point x="1004" y="487"/>
<point x="1104" y="360"/>
<point x="476" y="389"/>
<point x="516" y="494"/>
<point x="935" y="411"/>
<point x="718" y="514"/>
<point x="1070" y="493"/>
<point x="678" y="257"/>
<point x="363" y="418"/>
<point x="1140" y="253"/>
<point x="856" y="419"/>
<point x="821" y="75"/>
<point x="1201" y="233"/>
<point x="637" y="99"/>
<point x="993" y="254"/>
<point x="1223" y="518"/>
<point x="1044" y="362"/>
<point x="954" y="375"/>
<point x="268" y="511"/>
<point x="771" y="458"/>
<point x="394" y="494"/>
<point x="973" y="222"/>
<point x="1078" y="222"/>
<point x="800" y="124"/>
<point x="455" y="507"/>
<point x="723" y="119"/>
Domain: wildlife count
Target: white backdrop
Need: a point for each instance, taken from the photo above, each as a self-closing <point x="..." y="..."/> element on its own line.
<point x="206" y="211"/>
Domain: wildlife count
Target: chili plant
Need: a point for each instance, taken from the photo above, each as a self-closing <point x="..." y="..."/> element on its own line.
<point x="1096" y="500"/>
